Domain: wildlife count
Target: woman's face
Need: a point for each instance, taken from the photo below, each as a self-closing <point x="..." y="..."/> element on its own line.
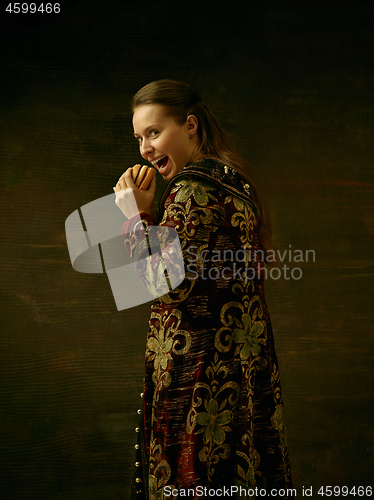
<point x="163" y="142"/>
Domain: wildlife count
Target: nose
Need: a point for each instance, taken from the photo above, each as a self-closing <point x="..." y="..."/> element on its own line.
<point x="145" y="149"/>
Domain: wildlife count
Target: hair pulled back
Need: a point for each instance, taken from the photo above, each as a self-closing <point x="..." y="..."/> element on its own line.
<point x="180" y="101"/>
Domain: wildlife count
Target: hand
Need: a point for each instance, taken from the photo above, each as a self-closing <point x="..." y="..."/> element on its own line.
<point x="131" y="200"/>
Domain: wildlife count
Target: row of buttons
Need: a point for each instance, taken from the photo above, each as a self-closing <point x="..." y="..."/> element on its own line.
<point x="137" y="447"/>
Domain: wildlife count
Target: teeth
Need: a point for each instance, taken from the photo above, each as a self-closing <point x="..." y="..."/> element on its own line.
<point x="154" y="162"/>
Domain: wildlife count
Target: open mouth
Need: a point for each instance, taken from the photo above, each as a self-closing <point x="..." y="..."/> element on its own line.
<point x="161" y="163"/>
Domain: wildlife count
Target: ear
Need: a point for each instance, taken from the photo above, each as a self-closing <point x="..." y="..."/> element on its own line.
<point x="191" y="124"/>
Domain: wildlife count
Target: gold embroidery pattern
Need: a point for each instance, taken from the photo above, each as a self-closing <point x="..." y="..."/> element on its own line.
<point x="221" y="405"/>
<point x="184" y="216"/>
<point x="185" y="220"/>
<point x="200" y="191"/>
<point x="248" y="475"/>
<point x="163" y="339"/>
<point x="244" y="218"/>
<point x="160" y="474"/>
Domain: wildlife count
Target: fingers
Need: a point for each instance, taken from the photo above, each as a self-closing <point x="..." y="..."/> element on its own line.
<point x="152" y="186"/>
<point x="128" y="178"/>
<point x="124" y="182"/>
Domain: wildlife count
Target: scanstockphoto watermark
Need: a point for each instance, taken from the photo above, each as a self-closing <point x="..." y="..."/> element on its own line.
<point x="228" y="264"/>
<point x="228" y="492"/>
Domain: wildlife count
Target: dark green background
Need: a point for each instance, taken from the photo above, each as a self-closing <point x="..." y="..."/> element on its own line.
<point x="294" y="83"/>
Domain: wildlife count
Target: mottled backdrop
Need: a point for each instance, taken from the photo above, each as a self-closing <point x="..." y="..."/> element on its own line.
<point x="293" y="82"/>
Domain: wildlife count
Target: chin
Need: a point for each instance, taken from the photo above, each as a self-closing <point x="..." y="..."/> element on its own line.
<point x="168" y="176"/>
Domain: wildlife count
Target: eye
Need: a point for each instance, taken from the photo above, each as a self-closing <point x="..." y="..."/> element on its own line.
<point x="152" y="134"/>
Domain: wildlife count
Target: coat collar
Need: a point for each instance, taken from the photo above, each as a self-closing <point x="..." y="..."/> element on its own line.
<point x="223" y="176"/>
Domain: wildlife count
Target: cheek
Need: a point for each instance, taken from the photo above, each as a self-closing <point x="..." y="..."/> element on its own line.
<point x="180" y="143"/>
<point x="171" y="145"/>
<point x="165" y="144"/>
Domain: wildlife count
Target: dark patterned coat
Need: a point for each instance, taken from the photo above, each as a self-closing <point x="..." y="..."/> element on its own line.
<point x="213" y="410"/>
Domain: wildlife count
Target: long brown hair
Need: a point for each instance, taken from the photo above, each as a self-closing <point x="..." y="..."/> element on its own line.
<point x="180" y="101"/>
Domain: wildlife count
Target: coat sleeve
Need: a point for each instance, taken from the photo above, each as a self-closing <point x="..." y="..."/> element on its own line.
<point x="194" y="210"/>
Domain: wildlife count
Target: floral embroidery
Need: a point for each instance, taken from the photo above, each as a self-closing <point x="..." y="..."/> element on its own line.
<point x="158" y="479"/>
<point x="214" y="422"/>
<point x="161" y="349"/>
<point x="154" y="492"/>
<point x="248" y="475"/>
<point x="218" y="418"/>
<point x="164" y="339"/>
<point x="248" y="335"/>
<point x="244" y="218"/>
<point x="199" y="191"/>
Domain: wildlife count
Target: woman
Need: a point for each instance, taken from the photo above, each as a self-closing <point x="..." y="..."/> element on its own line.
<point x="212" y="412"/>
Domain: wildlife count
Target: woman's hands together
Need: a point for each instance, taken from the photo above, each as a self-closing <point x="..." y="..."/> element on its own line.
<point x="131" y="200"/>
